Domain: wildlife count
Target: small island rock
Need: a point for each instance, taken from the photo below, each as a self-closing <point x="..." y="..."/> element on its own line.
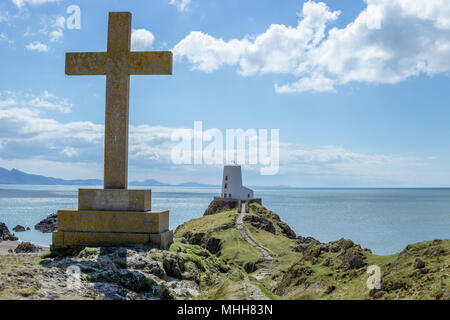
<point x="5" y="235"/>
<point x="48" y="225"/>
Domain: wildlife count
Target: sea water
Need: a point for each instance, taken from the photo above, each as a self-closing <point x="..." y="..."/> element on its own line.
<point x="384" y="220"/>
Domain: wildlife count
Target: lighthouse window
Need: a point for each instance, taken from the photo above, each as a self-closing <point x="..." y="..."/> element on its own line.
<point x="226" y="184"/>
<point x="248" y="196"/>
<point x="224" y="195"/>
<point x="226" y="178"/>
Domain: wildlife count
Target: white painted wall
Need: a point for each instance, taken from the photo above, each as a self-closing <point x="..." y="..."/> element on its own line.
<point x="232" y="184"/>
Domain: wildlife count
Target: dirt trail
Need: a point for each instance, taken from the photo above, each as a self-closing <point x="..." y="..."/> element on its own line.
<point x="265" y="270"/>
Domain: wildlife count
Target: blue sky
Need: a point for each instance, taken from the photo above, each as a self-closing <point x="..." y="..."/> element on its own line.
<point x="358" y="89"/>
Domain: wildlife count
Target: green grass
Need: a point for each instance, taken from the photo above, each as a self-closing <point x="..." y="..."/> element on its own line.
<point x="207" y="223"/>
<point x="234" y="247"/>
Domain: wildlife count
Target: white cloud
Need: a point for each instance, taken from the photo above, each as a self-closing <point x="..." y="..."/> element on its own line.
<point x="58" y="32"/>
<point x="315" y="83"/>
<point x="26" y="133"/>
<point x="60" y="22"/>
<point x="37" y="46"/>
<point x="390" y="41"/>
<point x="207" y="53"/>
<point x="55" y="35"/>
<point x="70" y="152"/>
<point x="9" y="102"/>
<point x="141" y="40"/>
<point x="27" y="138"/>
<point x="21" y="3"/>
<point x="49" y="101"/>
<point x="181" y="5"/>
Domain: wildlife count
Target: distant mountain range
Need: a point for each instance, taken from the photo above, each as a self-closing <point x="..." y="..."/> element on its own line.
<point x="15" y="176"/>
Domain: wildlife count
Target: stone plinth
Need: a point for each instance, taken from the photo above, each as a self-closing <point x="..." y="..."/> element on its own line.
<point x="68" y="239"/>
<point x="112" y="217"/>
<point x="113" y="221"/>
<point x="114" y="199"/>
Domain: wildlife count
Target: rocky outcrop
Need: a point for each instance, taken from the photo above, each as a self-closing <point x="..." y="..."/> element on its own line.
<point x="204" y="240"/>
<point x="260" y="223"/>
<point x="26" y="247"/>
<point x="267" y="220"/>
<point x="48" y="225"/>
<point x="137" y="272"/>
<point x="19" y="228"/>
<point x="352" y="259"/>
<point x="221" y="204"/>
<point x="5" y="235"/>
<point x="286" y="230"/>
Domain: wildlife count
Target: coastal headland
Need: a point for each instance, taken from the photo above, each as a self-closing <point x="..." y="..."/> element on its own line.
<point x="227" y="255"/>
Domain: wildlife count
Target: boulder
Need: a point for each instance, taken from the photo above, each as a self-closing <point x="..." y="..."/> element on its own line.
<point x="330" y="289"/>
<point x="172" y="263"/>
<point x="307" y="240"/>
<point x="129" y="279"/>
<point x="5" y="235"/>
<point x="350" y="260"/>
<point x="19" y="228"/>
<point x="419" y="264"/>
<point x="345" y="244"/>
<point x="260" y="223"/>
<point x="421" y="271"/>
<point x="26" y="247"/>
<point x="48" y="225"/>
<point x="286" y="230"/>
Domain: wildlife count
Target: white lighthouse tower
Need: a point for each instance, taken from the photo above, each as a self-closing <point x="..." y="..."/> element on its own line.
<point x="232" y="184"/>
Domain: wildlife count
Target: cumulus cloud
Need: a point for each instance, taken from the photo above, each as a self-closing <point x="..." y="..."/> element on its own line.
<point x="388" y="42"/>
<point x="9" y="102"/>
<point x="37" y="46"/>
<point x="51" y="102"/>
<point x="181" y="5"/>
<point x="21" y="3"/>
<point x="141" y="39"/>
<point x="25" y="133"/>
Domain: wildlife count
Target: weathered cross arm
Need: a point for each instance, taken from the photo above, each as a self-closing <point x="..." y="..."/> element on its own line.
<point x="153" y="62"/>
<point x="86" y="63"/>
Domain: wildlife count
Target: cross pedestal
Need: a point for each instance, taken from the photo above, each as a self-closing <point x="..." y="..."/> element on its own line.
<point x="115" y="215"/>
<point x="111" y="217"/>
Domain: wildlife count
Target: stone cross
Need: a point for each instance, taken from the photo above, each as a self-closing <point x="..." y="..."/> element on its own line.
<point x="118" y="63"/>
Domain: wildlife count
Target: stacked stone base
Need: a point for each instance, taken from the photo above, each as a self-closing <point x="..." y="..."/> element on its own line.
<point x="112" y="218"/>
<point x="70" y="239"/>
